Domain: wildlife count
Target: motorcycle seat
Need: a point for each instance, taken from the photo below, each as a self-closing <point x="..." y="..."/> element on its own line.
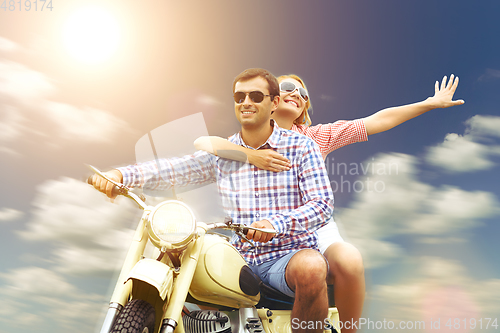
<point x="274" y="299"/>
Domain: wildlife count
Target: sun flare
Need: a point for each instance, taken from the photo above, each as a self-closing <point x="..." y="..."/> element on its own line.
<point x="91" y="35"/>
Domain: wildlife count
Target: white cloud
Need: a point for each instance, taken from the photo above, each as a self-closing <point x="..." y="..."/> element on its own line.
<point x="89" y="237"/>
<point x="9" y="214"/>
<point x="483" y="125"/>
<point x="75" y="260"/>
<point x="450" y="209"/>
<point x="37" y="281"/>
<point x="208" y="100"/>
<point x="14" y="313"/>
<point x="468" y="152"/>
<point x="11" y="124"/>
<point x="52" y="296"/>
<point x="399" y="203"/>
<point x="7" y="45"/>
<point x="438" y="288"/>
<point x="30" y="110"/>
<point x="26" y="86"/>
<point x="87" y="231"/>
<point x="459" y="154"/>
<point x="85" y="124"/>
<point x="490" y="74"/>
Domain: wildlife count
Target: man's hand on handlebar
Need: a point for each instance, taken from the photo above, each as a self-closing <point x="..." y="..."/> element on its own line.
<point x="105" y="186"/>
<point x="258" y="236"/>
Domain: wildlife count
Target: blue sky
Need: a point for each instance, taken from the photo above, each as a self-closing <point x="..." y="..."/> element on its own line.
<point x="429" y="238"/>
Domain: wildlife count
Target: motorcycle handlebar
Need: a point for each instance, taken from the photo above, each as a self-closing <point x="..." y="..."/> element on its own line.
<point x="119" y="189"/>
<point x="114" y="192"/>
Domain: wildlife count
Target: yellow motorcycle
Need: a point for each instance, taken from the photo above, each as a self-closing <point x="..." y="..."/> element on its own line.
<point x="193" y="264"/>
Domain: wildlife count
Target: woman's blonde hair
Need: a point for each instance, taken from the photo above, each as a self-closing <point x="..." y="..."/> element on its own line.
<point x="304" y="118"/>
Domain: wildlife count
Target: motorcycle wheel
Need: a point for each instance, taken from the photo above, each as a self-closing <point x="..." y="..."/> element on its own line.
<point x="137" y="317"/>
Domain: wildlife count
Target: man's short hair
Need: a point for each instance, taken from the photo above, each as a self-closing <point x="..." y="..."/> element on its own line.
<point x="251" y="73"/>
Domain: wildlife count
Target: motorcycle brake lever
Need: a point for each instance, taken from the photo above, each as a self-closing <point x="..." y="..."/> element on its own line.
<point x="241" y="230"/>
<point x="242" y="235"/>
<point x="264" y="230"/>
<point x="122" y="189"/>
<point x="119" y="185"/>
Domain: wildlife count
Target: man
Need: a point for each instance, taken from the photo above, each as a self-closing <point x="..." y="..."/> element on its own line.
<point x="295" y="203"/>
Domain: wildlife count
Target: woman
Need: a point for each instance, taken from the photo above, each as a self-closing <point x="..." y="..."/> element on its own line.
<point x="346" y="270"/>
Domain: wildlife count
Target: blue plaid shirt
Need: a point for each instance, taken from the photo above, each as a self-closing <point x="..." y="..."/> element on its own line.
<point x="296" y="202"/>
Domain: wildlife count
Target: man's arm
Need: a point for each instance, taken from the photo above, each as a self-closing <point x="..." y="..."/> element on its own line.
<point x="162" y="173"/>
<point x="388" y="118"/>
<point x="266" y="159"/>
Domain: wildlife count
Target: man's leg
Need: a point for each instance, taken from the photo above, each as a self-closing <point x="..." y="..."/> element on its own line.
<point x="306" y="275"/>
<point x="346" y="272"/>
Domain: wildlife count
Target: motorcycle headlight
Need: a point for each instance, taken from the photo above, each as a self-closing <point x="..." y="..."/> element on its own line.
<point x="172" y="222"/>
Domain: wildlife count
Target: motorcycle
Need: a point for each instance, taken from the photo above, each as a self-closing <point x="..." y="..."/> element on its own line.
<point x="193" y="264"/>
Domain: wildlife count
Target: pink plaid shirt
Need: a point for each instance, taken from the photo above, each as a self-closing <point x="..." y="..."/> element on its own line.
<point x="335" y="135"/>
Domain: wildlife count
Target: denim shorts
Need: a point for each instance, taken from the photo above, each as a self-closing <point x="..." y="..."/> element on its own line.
<point x="272" y="272"/>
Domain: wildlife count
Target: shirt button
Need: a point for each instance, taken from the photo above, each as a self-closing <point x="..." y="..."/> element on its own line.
<point x="257" y="215"/>
<point x="256" y="194"/>
<point x="255" y="173"/>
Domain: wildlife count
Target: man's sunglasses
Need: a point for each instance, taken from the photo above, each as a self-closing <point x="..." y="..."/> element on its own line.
<point x="255" y="96"/>
<point x="289" y="87"/>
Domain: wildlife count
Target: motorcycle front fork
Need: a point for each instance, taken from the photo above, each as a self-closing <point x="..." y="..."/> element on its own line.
<point x="113" y="312"/>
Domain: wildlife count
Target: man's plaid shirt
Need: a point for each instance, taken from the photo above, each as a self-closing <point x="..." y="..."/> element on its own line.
<point x="295" y="202"/>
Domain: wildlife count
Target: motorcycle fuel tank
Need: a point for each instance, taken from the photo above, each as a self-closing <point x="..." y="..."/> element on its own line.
<point x="221" y="274"/>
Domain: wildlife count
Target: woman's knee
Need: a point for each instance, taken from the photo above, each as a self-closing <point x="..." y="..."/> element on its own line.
<point x="344" y="259"/>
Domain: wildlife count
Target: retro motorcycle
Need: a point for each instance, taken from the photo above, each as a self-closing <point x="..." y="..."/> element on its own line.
<point x="192" y="264"/>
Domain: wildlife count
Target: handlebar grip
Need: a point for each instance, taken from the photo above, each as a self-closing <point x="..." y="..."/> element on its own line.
<point x="115" y="192"/>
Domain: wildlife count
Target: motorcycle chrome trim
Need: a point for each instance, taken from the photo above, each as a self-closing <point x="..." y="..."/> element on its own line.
<point x="154" y="273"/>
<point x="168" y="326"/>
<point x="113" y="312"/>
<point x="243" y="317"/>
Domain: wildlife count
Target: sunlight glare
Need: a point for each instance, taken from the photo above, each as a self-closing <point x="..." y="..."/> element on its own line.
<point x="91" y="35"/>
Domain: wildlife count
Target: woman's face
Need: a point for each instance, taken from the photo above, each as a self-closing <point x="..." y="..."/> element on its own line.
<point x="291" y="103"/>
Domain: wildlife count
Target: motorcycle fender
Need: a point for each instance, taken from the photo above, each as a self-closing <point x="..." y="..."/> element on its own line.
<point x="154" y="273"/>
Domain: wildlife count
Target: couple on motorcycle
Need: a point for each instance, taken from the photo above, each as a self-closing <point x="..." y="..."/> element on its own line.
<point x="294" y="203"/>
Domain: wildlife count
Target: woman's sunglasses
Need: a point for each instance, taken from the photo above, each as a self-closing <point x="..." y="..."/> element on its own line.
<point x="255" y="96"/>
<point x="289" y="87"/>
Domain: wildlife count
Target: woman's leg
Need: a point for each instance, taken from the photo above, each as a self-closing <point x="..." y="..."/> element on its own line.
<point x="346" y="273"/>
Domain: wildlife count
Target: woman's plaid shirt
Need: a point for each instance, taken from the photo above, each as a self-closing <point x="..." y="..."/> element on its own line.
<point x="296" y="202"/>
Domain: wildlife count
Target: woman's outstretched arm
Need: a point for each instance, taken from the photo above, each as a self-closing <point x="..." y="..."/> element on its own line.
<point x="388" y="118"/>
<point x="266" y="159"/>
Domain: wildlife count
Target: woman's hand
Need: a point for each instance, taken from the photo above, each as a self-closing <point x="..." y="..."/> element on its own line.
<point x="443" y="96"/>
<point x="268" y="159"/>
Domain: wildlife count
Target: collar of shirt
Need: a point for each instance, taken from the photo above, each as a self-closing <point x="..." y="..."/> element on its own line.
<point x="272" y="141"/>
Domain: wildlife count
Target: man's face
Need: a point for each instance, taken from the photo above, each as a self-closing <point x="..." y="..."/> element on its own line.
<point x="253" y="115"/>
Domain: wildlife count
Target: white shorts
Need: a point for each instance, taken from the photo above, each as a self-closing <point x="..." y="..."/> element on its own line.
<point x="328" y="235"/>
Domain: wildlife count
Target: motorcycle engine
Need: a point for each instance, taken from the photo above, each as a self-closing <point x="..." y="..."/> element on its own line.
<point x="206" y="321"/>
